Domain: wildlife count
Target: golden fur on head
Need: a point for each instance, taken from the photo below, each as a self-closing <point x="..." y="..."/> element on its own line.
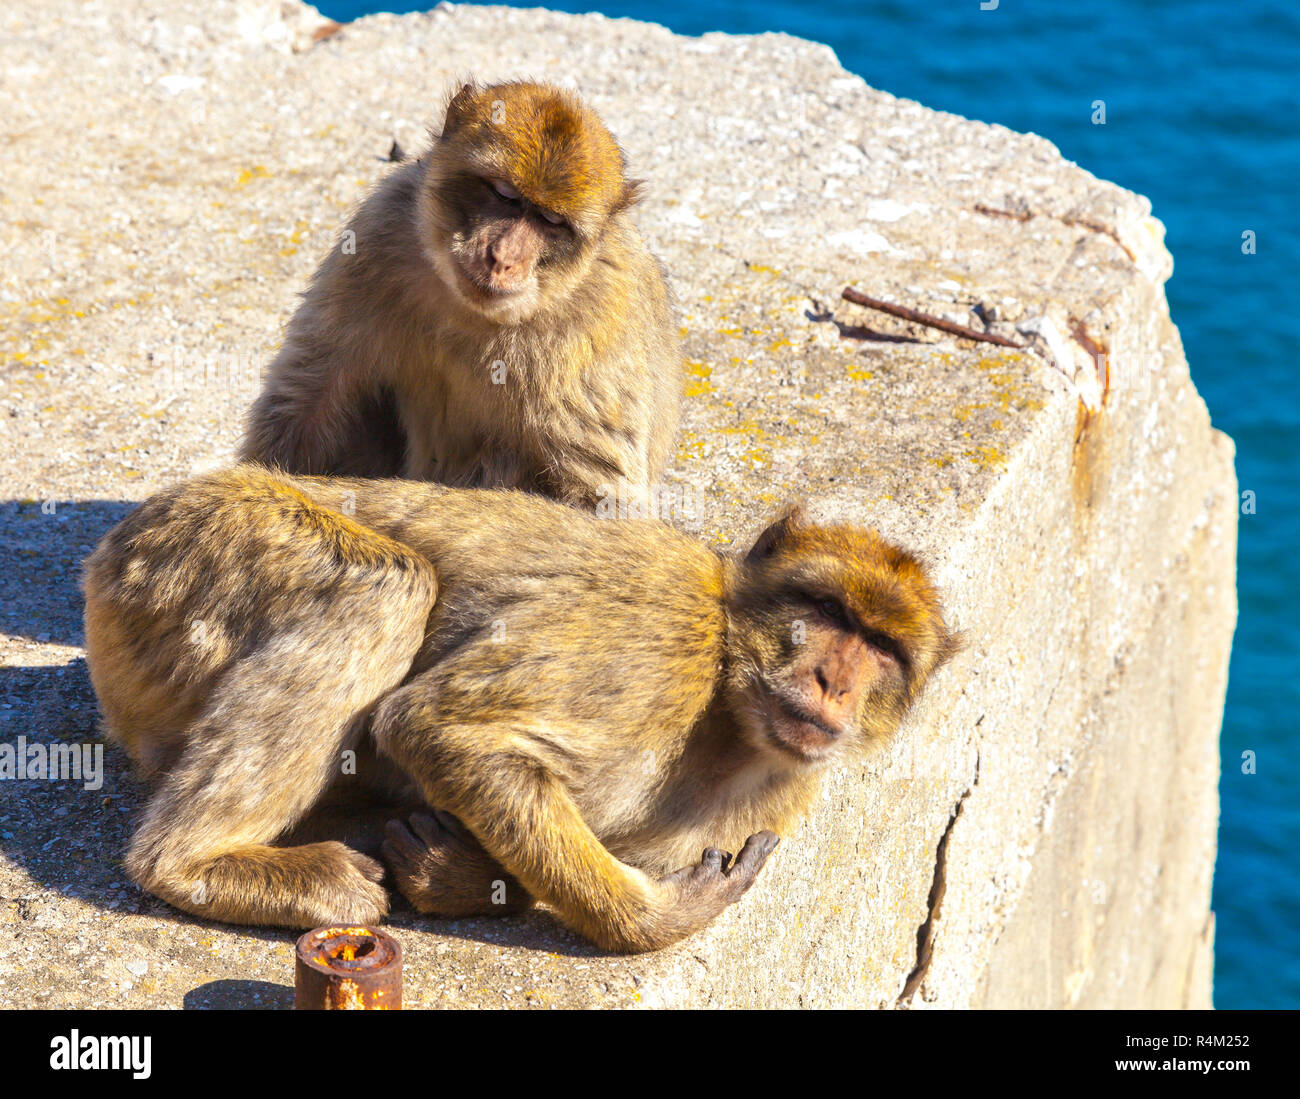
<point x="546" y="142"/>
<point x="886" y="590"/>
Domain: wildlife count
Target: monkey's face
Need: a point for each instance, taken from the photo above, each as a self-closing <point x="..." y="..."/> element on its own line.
<point x="834" y="632"/>
<point x="519" y="190"/>
<point x="499" y="249"/>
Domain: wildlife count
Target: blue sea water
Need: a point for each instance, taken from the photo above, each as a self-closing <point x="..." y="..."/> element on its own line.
<point x="1203" y="116"/>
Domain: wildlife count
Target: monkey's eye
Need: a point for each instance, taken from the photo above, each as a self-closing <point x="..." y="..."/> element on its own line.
<point x="886" y="644"/>
<point x="551" y="216"/>
<point x="834" y="610"/>
<point x="501" y="187"/>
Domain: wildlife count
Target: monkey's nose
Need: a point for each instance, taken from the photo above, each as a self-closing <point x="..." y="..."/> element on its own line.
<point x="832" y="693"/>
<point x="506" y="268"/>
<point x="506" y="278"/>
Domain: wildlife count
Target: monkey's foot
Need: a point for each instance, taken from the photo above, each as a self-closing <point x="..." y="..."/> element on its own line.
<point x="308" y="885"/>
<point x="443" y="870"/>
<point x="717" y="880"/>
<point x="345" y="888"/>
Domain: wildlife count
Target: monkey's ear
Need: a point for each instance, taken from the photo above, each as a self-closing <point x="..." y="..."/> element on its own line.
<point x="779" y="533"/>
<point x="631" y="195"/>
<point x="457" y="109"/>
<point x="952" y="644"/>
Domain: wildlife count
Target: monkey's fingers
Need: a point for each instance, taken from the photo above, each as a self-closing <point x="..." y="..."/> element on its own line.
<point x="400" y="841"/>
<point x="752" y="857"/>
<point x="428" y="827"/>
<point x="677" y="876"/>
<point x="712" y="864"/>
<point x="439" y="828"/>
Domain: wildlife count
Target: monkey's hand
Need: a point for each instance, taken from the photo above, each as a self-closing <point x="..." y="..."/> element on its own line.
<point x="717" y="881"/>
<point x="440" y="867"/>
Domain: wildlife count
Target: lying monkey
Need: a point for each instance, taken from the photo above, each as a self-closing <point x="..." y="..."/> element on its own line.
<point x="587" y="703"/>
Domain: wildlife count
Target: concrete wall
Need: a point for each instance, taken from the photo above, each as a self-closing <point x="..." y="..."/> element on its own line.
<point x="1043" y="831"/>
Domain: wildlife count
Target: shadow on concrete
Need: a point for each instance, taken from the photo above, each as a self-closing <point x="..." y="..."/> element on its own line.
<point x="237" y="995"/>
<point x="43" y="543"/>
<point x="538" y="929"/>
<point x="858" y="331"/>
<point x="68" y="833"/>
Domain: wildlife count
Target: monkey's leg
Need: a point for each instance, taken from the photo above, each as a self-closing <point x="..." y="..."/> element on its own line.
<point x="521" y="813"/>
<point x="443" y="870"/>
<point x="249" y="772"/>
<point x="270" y="741"/>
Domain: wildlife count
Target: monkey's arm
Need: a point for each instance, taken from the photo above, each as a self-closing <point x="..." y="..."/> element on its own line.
<point x="518" y="808"/>
<point x="590" y="464"/>
<point x="313" y="417"/>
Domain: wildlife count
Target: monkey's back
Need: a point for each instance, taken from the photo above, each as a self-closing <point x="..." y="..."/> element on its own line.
<point x="549" y="615"/>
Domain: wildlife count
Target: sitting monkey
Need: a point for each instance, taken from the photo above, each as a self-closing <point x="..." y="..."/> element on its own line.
<point x="497" y="322"/>
<point x="577" y="705"/>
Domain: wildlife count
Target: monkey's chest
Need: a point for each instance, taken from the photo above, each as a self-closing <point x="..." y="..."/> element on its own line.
<point x="501" y="429"/>
<point x="668" y="833"/>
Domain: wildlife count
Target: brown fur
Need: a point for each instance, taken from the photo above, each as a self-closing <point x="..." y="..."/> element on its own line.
<point x="593" y="699"/>
<point x="470" y="341"/>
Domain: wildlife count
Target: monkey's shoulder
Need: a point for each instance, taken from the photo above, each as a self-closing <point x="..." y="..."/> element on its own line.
<point x="563" y="549"/>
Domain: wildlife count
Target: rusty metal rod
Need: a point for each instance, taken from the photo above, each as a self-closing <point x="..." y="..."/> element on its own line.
<point x="1080" y="223"/>
<point x="859" y="298"/>
<point x="347" y="969"/>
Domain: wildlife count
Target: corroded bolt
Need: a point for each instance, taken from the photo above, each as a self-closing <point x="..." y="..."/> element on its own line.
<point x="348" y="969"/>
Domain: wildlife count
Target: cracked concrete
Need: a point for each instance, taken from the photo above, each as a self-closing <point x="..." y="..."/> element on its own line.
<point x="925" y="934"/>
<point x="174" y="172"/>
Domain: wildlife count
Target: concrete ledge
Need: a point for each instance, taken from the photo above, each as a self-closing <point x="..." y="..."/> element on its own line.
<point x="1043" y="831"/>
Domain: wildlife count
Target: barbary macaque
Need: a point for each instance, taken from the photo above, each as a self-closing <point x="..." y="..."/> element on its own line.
<point x="497" y="321"/>
<point x="552" y="706"/>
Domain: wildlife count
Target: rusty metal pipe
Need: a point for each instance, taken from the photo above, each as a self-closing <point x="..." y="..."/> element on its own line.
<point x="348" y="969"/>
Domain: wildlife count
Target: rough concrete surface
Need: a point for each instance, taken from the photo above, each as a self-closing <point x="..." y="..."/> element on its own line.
<point x="1043" y="830"/>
